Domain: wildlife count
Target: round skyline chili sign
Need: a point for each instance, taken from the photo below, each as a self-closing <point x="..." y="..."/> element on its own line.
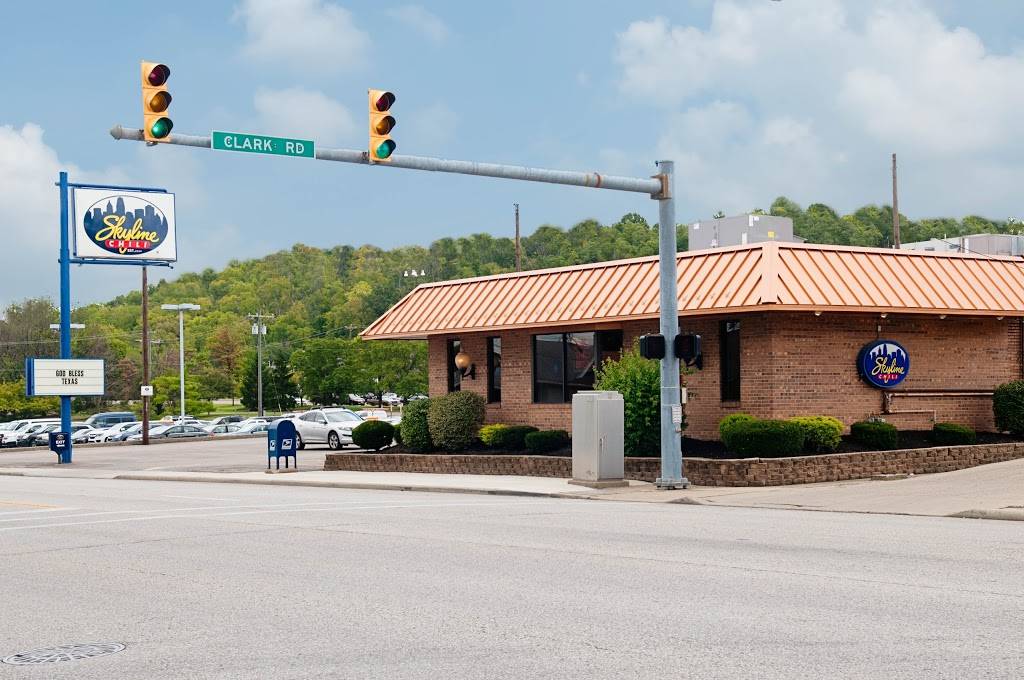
<point x="883" y="363"/>
<point x="127" y="225"/>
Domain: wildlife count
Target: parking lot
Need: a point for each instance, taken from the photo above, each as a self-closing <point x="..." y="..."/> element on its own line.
<point x="229" y="454"/>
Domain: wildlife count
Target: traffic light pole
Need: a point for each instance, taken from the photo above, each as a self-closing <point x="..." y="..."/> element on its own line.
<point x="658" y="187"/>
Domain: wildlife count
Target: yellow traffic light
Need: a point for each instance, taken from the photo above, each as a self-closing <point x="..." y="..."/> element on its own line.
<point x="156" y="100"/>
<point x="381" y="123"/>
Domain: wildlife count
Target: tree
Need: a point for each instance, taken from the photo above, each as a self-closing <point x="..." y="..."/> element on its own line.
<point x="14" y="403"/>
<point x="279" y="388"/>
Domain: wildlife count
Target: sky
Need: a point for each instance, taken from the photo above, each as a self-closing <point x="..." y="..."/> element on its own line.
<point x="751" y="98"/>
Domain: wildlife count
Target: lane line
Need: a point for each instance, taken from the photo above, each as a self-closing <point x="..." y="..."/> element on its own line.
<point x="26" y="512"/>
<point x="23" y="504"/>
<point x="204" y="498"/>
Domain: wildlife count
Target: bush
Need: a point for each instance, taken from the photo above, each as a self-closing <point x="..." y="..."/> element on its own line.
<point x="1008" y="407"/>
<point x="953" y="434"/>
<point x="729" y="424"/>
<point x="415" y="432"/>
<point x="398" y="434"/>
<point x="505" y="437"/>
<point x="454" y="420"/>
<point x="767" y="438"/>
<point x="875" y="435"/>
<point x="546" y="441"/>
<point x="373" y="435"/>
<point x="822" y="434"/>
<point x="639" y="382"/>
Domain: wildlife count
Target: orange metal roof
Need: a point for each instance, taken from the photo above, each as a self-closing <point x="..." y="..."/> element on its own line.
<point x="779" y="276"/>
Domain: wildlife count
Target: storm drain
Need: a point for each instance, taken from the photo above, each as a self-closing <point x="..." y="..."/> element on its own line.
<point x="64" y="653"/>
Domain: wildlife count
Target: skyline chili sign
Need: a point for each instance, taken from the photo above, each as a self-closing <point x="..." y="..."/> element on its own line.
<point x="883" y="363"/>
<point x="124" y="225"/>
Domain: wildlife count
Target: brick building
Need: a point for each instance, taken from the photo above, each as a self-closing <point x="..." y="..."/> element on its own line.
<point x="782" y="328"/>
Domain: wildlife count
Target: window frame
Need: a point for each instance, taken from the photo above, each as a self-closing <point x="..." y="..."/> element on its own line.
<point x="493" y="393"/>
<point x="597" y="344"/>
<point x="731" y="389"/>
<point x="454" y="374"/>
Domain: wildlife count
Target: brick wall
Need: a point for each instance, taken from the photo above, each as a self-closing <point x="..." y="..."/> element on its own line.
<point x="792" y="363"/>
<point x="700" y="471"/>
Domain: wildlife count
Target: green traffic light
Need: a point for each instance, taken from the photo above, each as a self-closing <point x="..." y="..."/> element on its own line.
<point x="161" y="128"/>
<point x="385" y="149"/>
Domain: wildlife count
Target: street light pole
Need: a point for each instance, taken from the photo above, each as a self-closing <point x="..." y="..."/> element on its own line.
<point x="181" y="309"/>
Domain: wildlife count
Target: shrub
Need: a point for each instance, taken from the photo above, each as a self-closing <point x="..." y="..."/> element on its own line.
<point x="729" y="424"/>
<point x="822" y="434"/>
<point x="767" y="438"/>
<point x="398" y="434"/>
<point x="454" y="420"/>
<point x="639" y="382"/>
<point x="952" y="434"/>
<point x="415" y="432"/>
<point x="373" y="435"/>
<point x="875" y="435"/>
<point x="546" y="441"/>
<point x="505" y="437"/>
<point x="1008" y="407"/>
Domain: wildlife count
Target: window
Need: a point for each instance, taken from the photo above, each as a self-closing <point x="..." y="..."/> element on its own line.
<point x="729" y="355"/>
<point x="564" y="363"/>
<point x="454" y="374"/>
<point x="494" y="370"/>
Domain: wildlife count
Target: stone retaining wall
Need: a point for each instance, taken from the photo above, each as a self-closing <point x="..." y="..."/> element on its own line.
<point x="700" y="471"/>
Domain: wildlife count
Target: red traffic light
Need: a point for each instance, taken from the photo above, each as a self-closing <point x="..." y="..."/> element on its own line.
<point x="384" y="101"/>
<point x="158" y="75"/>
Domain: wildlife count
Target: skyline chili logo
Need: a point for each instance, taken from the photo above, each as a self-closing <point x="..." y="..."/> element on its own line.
<point x="883" y="363"/>
<point x="127" y="226"/>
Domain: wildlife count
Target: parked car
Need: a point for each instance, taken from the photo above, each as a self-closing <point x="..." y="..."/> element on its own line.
<point x="390" y="399"/>
<point x="222" y="428"/>
<point x="82" y="436"/>
<point x="331" y="426"/>
<point x="42" y="438"/>
<point x="108" y="434"/>
<point x="356" y="399"/>
<point x="172" y="432"/>
<point x="18" y="427"/>
<point x="253" y="427"/>
<point x="23" y="436"/>
<point x="380" y="414"/>
<point x="136" y="428"/>
<point x="223" y="420"/>
<point x="109" y="418"/>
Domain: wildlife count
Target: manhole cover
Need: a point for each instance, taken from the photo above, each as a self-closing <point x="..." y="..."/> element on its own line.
<point x="64" y="653"/>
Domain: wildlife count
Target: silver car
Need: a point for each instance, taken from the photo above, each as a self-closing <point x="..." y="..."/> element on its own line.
<point x="331" y="426"/>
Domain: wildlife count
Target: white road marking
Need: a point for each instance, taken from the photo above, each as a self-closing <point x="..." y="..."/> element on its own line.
<point x="25" y="512"/>
<point x="251" y="512"/>
<point x="203" y="498"/>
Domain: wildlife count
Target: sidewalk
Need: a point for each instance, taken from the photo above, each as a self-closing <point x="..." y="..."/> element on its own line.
<point x="993" y="491"/>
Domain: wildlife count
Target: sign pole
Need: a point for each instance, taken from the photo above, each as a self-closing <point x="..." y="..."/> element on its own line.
<point x="65" y="306"/>
<point x="145" y="354"/>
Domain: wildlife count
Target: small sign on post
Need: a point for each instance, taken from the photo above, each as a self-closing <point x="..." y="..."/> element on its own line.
<point x="147" y="390"/>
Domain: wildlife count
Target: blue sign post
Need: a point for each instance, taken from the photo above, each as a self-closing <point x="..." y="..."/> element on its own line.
<point x="65" y="286"/>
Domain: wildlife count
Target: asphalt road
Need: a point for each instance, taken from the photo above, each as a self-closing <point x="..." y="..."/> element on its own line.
<point x="239" y="581"/>
<point x="227" y="454"/>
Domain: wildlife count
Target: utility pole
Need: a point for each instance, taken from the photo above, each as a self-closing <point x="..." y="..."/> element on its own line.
<point x="519" y="251"/>
<point x="895" y="208"/>
<point x="145" y="355"/>
<point x="259" y="329"/>
<point x="181" y="309"/>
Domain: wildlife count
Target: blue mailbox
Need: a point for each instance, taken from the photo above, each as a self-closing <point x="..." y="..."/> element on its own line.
<point x="281" y="443"/>
<point x="60" y="443"/>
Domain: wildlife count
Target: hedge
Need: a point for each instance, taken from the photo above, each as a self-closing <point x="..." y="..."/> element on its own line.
<point x="767" y="439"/>
<point x="728" y="425"/>
<point x="875" y="435"/>
<point x="373" y="435"/>
<point x="505" y="437"/>
<point x="546" y="441"/>
<point x="1008" y="407"/>
<point x="822" y="434"/>
<point x="953" y="434"/>
<point x="455" y="419"/>
<point x="638" y="380"/>
<point x="415" y="432"/>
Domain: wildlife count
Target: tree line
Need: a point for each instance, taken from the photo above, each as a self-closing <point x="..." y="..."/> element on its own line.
<point x="322" y="298"/>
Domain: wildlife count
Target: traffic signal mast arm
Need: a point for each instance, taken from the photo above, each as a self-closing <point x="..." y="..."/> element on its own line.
<point x="656" y="187"/>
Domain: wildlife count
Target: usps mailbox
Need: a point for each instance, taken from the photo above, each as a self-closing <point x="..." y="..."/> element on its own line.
<point x="60" y="443"/>
<point x="281" y="443"/>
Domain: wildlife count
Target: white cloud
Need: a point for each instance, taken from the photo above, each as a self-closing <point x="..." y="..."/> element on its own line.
<point x="808" y="98"/>
<point x="419" y="19"/>
<point x="305" y="114"/>
<point x="304" y="34"/>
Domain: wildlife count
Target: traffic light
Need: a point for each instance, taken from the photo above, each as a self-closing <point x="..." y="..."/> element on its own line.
<point x="381" y="124"/>
<point x="155" y="102"/>
<point x="688" y="349"/>
<point x="652" y="346"/>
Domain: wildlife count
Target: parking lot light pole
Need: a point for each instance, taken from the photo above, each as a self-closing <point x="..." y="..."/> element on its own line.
<point x="181" y="309"/>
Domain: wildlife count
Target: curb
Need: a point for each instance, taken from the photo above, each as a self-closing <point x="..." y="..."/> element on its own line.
<point x="1009" y="514"/>
<point x="347" y="485"/>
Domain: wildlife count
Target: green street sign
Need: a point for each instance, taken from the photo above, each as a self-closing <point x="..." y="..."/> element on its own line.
<point x="273" y="146"/>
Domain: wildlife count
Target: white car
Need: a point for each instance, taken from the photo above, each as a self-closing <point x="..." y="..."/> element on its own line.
<point x="331" y="426"/>
<point x="356" y="399"/>
<point x="111" y="432"/>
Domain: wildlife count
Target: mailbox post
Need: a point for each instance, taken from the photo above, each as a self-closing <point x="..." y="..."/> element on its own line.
<point x="281" y="444"/>
<point x="60" y="443"/>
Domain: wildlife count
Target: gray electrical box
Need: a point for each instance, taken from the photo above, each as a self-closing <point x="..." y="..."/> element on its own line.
<point x="597" y="439"/>
<point x="740" y="231"/>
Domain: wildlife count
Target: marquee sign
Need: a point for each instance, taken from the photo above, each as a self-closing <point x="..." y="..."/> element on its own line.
<point x="883" y="363"/>
<point x="63" y="377"/>
<point x="124" y="225"/>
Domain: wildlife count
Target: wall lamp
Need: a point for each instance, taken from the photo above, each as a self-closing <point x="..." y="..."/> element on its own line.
<point x="884" y="315"/>
<point x="465" y="364"/>
<point x="817" y="314"/>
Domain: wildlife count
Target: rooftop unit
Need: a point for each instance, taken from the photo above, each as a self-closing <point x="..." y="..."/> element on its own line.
<point x="740" y="230"/>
